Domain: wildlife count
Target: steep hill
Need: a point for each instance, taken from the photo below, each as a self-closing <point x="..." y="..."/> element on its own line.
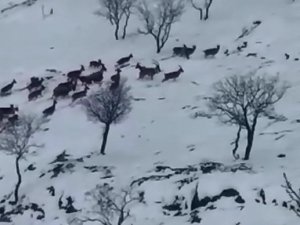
<point x="161" y="129"/>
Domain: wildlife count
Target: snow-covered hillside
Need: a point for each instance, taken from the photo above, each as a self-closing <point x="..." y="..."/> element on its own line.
<point x="160" y="130"/>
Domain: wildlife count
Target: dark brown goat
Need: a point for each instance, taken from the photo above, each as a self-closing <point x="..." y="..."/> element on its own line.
<point x="35" y="82"/>
<point x="7" y="89"/>
<point x="96" y="63"/>
<point x="63" y="89"/>
<point x="50" y="110"/>
<point x="123" y="60"/>
<point x="115" y="80"/>
<point x="211" y="51"/>
<point x="69" y="84"/>
<point x="35" y="94"/>
<point x="184" y="51"/>
<point x="85" y="80"/>
<point x="98" y="76"/>
<point x="94" y="77"/>
<point x="80" y="94"/>
<point x="75" y="74"/>
<point x="6" y="111"/>
<point x="173" y="75"/>
<point x="147" y="71"/>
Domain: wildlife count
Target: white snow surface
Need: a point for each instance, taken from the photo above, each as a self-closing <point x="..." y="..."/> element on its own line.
<point x="157" y="132"/>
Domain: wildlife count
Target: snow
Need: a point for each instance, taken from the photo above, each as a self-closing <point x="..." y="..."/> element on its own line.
<point x="157" y="132"/>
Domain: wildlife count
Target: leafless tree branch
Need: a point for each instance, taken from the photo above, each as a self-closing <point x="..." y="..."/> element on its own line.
<point x="116" y="11"/>
<point x="110" y="206"/>
<point x="16" y="140"/>
<point x="293" y="194"/>
<point x="158" y="20"/>
<point x="107" y="107"/>
<point x="202" y="5"/>
<point x="241" y="100"/>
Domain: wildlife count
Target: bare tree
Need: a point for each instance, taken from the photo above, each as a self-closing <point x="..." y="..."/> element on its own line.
<point x="293" y="194"/>
<point x="207" y="8"/>
<point x="198" y="7"/>
<point x="201" y="5"/>
<point x="109" y="205"/>
<point x="158" y="21"/>
<point x="16" y="140"/>
<point x="109" y="107"/>
<point x="116" y="11"/>
<point x="241" y="100"/>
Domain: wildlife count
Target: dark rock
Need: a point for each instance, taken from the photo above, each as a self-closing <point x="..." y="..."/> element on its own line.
<point x="31" y="167"/>
<point x="257" y="22"/>
<point x="215" y="198"/>
<point x="139" y="99"/>
<point x="57" y="170"/>
<point x="61" y="157"/>
<point x="281" y="156"/>
<point x="69" y="166"/>
<point x="239" y="200"/>
<point x="195" y="201"/>
<point x="229" y="193"/>
<point x="194" y="218"/>
<point x="80" y="160"/>
<point x="179" y="213"/>
<point x="176" y="205"/>
<point x="212" y="207"/>
<point x="263" y="196"/>
<point x="208" y="167"/>
<point x="204" y="202"/>
<point x="5" y="219"/>
<point x="173" y="207"/>
<point x="51" y="190"/>
<point x="274" y="201"/>
<point x="284" y="204"/>
<point x="49" y="77"/>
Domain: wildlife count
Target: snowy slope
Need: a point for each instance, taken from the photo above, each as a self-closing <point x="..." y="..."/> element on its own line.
<point x="157" y="132"/>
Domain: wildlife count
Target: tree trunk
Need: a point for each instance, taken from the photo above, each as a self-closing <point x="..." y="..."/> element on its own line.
<point x="104" y="140"/>
<point x="121" y="217"/>
<point x="207" y="9"/>
<point x="117" y="31"/>
<point x="236" y="143"/>
<point x="250" y="138"/>
<point x="16" y="192"/>
<point x="206" y="13"/>
<point x="158" y="47"/>
<point x="201" y="14"/>
<point x="125" y="26"/>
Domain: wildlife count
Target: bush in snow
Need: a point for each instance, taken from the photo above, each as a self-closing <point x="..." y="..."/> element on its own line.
<point x="16" y="140"/>
<point x="117" y="11"/>
<point x="158" y="20"/>
<point x="109" y="206"/>
<point x="109" y="106"/>
<point x="201" y="5"/>
<point x="241" y="100"/>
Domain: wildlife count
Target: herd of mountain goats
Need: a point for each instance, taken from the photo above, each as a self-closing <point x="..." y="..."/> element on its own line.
<point x="36" y="85"/>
